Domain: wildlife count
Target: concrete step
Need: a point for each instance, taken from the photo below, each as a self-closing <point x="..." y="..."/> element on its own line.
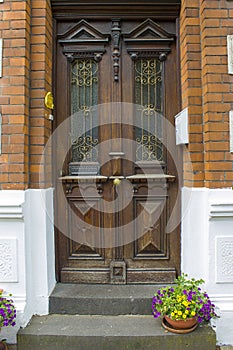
<point x="102" y="299"/>
<point x="132" y="332"/>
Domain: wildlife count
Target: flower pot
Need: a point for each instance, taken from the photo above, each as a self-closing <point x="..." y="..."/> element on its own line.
<point x="181" y="324"/>
<point x="3" y="346"/>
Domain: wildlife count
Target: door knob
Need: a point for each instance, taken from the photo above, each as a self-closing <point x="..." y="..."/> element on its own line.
<point x="116" y="181"/>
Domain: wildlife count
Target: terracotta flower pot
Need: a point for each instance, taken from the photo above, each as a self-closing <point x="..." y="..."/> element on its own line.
<point x="181" y="324"/>
<point x="3" y="346"/>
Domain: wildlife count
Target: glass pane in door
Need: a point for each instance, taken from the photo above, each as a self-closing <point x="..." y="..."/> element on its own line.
<point x="149" y="100"/>
<point x="84" y="95"/>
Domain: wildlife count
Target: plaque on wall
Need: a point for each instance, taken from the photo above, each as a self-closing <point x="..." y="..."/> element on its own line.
<point x="90" y="168"/>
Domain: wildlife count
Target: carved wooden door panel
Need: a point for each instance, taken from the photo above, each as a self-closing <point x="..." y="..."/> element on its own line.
<point x="116" y="178"/>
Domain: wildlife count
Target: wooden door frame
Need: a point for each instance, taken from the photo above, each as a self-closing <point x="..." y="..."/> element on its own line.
<point x="168" y="10"/>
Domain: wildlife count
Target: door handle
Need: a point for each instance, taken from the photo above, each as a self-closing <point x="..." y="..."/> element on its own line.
<point x="116" y="181"/>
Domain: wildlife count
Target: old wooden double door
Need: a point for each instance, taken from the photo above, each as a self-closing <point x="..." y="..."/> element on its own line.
<point x="116" y="181"/>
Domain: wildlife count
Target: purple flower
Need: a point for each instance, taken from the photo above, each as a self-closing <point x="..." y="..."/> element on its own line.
<point x="7" y="312"/>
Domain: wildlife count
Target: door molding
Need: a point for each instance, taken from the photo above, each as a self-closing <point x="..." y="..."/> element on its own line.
<point x="71" y="8"/>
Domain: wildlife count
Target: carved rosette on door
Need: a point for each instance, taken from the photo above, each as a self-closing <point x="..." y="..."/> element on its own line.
<point x="116" y="176"/>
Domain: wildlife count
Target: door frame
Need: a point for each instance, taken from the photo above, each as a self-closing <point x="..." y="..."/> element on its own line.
<point x="73" y="10"/>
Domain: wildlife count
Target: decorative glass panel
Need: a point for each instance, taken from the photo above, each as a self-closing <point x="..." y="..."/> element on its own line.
<point x="148" y="97"/>
<point x="84" y="95"/>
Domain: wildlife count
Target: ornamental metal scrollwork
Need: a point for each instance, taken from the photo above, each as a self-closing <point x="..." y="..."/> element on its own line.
<point x="84" y="149"/>
<point x="148" y="72"/>
<point x="84" y="72"/>
<point x="84" y="95"/>
<point x="150" y="148"/>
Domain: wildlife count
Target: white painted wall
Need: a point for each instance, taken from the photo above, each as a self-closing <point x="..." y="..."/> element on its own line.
<point x="27" y="255"/>
<point x="207" y="249"/>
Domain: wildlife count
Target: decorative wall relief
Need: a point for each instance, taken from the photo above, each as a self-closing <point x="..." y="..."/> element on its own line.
<point x="224" y="259"/>
<point x="8" y="260"/>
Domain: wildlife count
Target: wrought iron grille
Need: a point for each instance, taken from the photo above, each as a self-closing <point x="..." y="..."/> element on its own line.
<point x="84" y="95"/>
<point x="149" y="99"/>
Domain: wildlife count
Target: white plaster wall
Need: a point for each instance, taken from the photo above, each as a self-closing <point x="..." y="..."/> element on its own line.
<point x="27" y="243"/>
<point x="207" y="249"/>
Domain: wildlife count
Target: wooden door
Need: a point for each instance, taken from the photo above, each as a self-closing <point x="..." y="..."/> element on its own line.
<point x="116" y="179"/>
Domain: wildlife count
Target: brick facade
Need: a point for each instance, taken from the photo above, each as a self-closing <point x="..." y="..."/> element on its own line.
<point x="26" y="29"/>
<point x="207" y="90"/>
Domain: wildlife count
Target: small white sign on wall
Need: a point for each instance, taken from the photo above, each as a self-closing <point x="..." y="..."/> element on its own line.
<point x="230" y="53"/>
<point x="181" y="125"/>
<point x="0" y="134"/>
<point x="231" y="130"/>
<point x="1" y="57"/>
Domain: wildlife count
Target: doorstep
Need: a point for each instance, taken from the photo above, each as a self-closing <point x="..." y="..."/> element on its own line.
<point x="123" y="332"/>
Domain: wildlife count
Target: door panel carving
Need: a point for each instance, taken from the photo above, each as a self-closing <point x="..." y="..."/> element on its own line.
<point x="153" y="242"/>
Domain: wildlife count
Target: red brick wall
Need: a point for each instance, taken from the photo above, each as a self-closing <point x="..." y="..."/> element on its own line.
<point x="41" y="82"/>
<point x="14" y="91"/>
<point x="191" y="87"/>
<point x="207" y="90"/>
<point x="25" y="27"/>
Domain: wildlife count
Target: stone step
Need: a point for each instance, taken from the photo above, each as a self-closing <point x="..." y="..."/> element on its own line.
<point x="129" y="332"/>
<point x="102" y="299"/>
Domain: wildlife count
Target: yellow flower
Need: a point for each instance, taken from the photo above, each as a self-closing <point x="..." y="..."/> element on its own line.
<point x="179" y="313"/>
<point x="193" y="313"/>
<point x="175" y="311"/>
<point x="185" y="303"/>
<point x="186" y="311"/>
<point x="184" y="316"/>
<point x="172" y="314"/>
